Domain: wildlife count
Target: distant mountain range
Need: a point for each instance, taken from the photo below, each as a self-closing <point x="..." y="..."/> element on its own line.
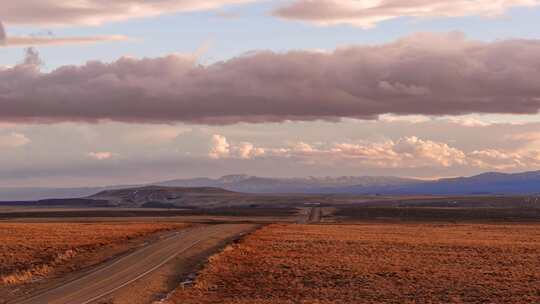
<point x="308" y="185"/>
<point x="487" y="183"/>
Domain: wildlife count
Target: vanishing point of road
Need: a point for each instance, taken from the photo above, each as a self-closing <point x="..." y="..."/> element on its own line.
<point x="313" y="215"/>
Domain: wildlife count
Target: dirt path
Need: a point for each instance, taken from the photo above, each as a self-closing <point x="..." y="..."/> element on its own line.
<point x="116" y="275"/>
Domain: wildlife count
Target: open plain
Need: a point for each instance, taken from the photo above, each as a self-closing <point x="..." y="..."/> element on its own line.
<point x="328" y="249"/>
<point x="269" y="152"/>
<point x="375" y="263"/>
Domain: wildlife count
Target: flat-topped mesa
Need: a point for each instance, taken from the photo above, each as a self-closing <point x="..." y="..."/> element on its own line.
<point x="173" y="196"/>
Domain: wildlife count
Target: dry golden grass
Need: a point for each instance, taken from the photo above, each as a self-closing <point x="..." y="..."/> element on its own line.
<point x="375" y="263"/>
<point x="32" y="251"/>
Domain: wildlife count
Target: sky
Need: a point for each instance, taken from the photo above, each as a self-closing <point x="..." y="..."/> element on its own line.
<point x="94" y="93"/>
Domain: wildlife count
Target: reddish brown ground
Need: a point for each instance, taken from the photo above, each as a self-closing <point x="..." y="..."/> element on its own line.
<point x="375" y="263"/>
<point x="29" y="252"/>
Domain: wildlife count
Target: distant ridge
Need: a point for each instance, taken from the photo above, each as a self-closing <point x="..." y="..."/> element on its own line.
<point x="485" y="183"/>
<point x="307" y="185"/>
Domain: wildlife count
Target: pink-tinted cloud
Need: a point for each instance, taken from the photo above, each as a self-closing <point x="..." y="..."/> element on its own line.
<point x="101" y="155"/>
<point x="95" y="12"/>
<point x="17" y="41"/>
<point x="367" y="13"/>
<point x="491" y="159"/>
<point x="405" y="153"/>
<point x="220" y="147"/>
<point x="13" y="140"/>
<point x="29" y="41"/>
<point x="3" y="35"/>
<point x="426" y="74"/>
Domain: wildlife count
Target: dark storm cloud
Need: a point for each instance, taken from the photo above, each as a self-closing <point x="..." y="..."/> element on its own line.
<point x="430" y="74"/>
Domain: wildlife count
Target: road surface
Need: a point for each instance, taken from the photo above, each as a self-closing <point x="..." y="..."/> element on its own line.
<point x="111" y="277"/>
<point x="313" y="215"/>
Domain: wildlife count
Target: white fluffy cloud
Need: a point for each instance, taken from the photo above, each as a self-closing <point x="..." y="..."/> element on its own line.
<point x="96" y="12"/>
<point x="426" y="152"/>
<point x="246" y="150"/>
<point x="407" y="152"/>
<point x="221" y="148"/>
<point x="367" y="13"/>
<point x="13" y="140"/>
<point x="404" y="153"/>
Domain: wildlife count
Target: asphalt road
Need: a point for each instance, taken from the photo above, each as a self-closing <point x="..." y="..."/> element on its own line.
<point x="111" y="277"/>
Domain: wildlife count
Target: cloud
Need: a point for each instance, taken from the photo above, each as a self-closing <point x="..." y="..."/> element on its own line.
<point x="96" y="12"/>
<point x="27" y="41"/>
<point x="407" y="152"/>
<point x="2" y="34"/>
<point x="246" y="150"/>
<point x="413" y="119"/>
<point x="367" y="14"/>
<point x="423" y="74"/>
<point x="13" y="140"/>
<point x="17" y="41"/>
<point x="404" y="153"/>
<point x="530" y="137"/>
<point x="503" y="160"/>
<point x="469" y="122"/>
<point x="32" y="58"/>
<point x="101" y="155"/>
<point x="220" y="148"/>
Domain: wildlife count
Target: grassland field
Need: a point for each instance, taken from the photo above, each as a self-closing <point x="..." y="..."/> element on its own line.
<point x="374" y="263"/>
<point x="418" y="250"/>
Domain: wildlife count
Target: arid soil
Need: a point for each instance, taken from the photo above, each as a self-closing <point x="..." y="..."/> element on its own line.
<point x="33" y="251"/>
<point x="436" y="214"/>
<point x="374" y="263"/>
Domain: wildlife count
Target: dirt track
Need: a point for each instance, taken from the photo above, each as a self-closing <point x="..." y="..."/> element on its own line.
<point x="117" y="274"/>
